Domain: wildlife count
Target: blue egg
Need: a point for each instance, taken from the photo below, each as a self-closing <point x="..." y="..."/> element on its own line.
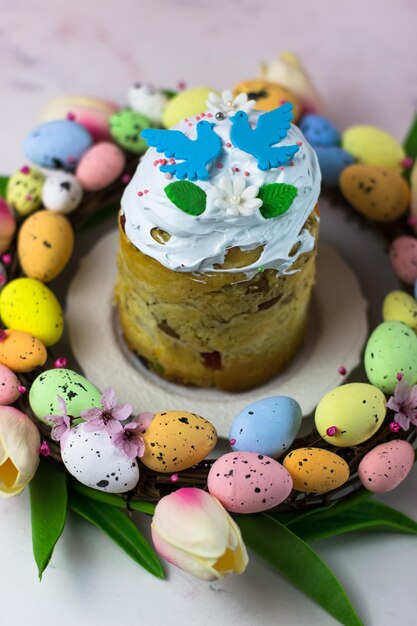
<point x="267" y="426"/>
<point x="319" y="131"/>
<point x="333" y="161"/>
<point x="59" y="144"/>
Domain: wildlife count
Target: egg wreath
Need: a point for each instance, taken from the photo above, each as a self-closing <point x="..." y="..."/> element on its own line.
<point x="365" y="431"/>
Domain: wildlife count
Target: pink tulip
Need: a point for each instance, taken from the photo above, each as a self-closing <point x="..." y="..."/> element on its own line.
<point x="192" y="530"/>
<point x="19" y="450"/>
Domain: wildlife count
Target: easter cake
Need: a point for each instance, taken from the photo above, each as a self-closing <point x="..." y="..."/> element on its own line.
<point x="216" y="266"/>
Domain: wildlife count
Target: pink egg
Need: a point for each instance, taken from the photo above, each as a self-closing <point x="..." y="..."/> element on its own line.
<point x="386" y="466"/>
<point x="247" y="482"/>
<point x="100" y="166"/>
<point x="91" y="113"/>
<point x="403" y="257"/>
<point x="7" y="226"/>
<point x="9" y="386"/>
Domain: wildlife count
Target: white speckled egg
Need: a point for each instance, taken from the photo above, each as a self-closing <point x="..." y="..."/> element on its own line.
<point x="61" y="192"/>
<point x="148" y="101"/>
<point x="94" y="461"/>
<point x="386" y="466"/>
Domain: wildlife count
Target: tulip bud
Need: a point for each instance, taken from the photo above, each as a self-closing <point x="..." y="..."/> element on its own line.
<point x="192" y="530"/>
<point x="19" y="450"/>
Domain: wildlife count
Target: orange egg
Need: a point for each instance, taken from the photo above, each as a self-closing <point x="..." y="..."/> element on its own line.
<point x="268" y="96"/>
<point x="21" y="352"/>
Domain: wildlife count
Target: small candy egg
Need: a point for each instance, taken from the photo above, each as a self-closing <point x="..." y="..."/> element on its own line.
<point x="391" y="348"/>
<point x="28" y="305"/>
<point x="91" y="113"/>
<point x="147" y="101"/>
<point x="61" y="192"/>
<point x="403" y="257"/>
<point x="402" y="307"/>
<point x="76" y="390"/>
<point x="93" y="459"/>
<point x="315" y="470"/>
<point x="374" y="146"/>
<point x="383" y="468"/>
<point x="357" y="410"/>
<point x="332" y="160"/>
<point x="21" y="352"/>
<point x="7" y="226"/>
<point x="378" y="193"/>
<point x="24" y="190"/>
<point x="9" y="386"/>
<point x="319" y="131"/>
<point x="100" y="166"/>
<point x="177" y="440"/>
<point x="187" y="103"/>
<point x="267" y="426"/>
<point x="58" y="145"/>
<point x="268" y="96"/>
<point x="44" y="245"/>
<point x="246" y="482"/>
<point x="125" y="128"/>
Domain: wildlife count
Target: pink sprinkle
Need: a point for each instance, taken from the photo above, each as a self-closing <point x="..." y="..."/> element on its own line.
<point x="209" y="115"/>
<point x="71" y="159"/>
<point x="155" y="163"/>
<point x="331" y="431"/>
<point x="342" y="370"/>
<point x="284" y="101"/>
<point x="25" y="169"/>
<point x="44" y="449"/>
<point x="3" y="280"/>
<point x="219" y="165"/>
<point x="140" y="194"/>
<point x="232" y="442"/>
<point x="7" y="259"/>
<point x="203" y="114"/>
<point x="173" y="478"/>
<point x="299" y="143"/>
<point x="3" y="335"/>
<point x="228" y="145"/>
<point x="146" y="191"/>
<point x="282" y="168"/>
<point x="246" y="173"/>
<point x="412" y="220"/>
<point x="186" y="119"/>
<point x="60" y="362"/>
<point x="172" y="160"/>
<point x="163" y="161"/>
<point x="407" y="163"/>
<point x="400" y="375"/>
<point x="21" y="389"/>
<point x="189" y="124"/>
<point x="125" y="178"/>
<point x="198" y="118"/>
<point x="71" y="117"/>
<point x="394" y="427"/>
<point x="292" y="164"/>
<point x="168" y="175"/>
<point x="28" y="197"/>
<point x="235" y="169"/>
<point x="181" y="85"/>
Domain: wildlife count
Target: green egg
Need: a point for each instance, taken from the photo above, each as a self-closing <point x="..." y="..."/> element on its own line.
<point x="24" y="190"/>
<point x="125" y="128"/>
<point x="392" y="348"/>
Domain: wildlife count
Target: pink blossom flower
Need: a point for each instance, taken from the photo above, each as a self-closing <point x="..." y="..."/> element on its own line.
<point x="404" y="404"/>
<point x="129" y="439"/>
<point x="110" y="415"/>
<point x="62" y="423"/>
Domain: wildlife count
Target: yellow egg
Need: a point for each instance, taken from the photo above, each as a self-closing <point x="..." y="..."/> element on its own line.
<point x="400" y="306"/>
<point x="187" y="103"/>
<point x="45" y="244"/>
<point x="374" y="146"/>
<point x="267" y="95"/>
<point x="316" y="470"/>
<point x="21" y="352"/>
<point x="378" y="193"/>
<point x="177" y="440"/>
<point x="28" y="305"/>
<point x="355" y="410"/>
<point x="24" y="190"/>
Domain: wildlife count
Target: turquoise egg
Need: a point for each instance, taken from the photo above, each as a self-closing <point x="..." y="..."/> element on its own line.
<point x="267" y="426"/>
<point x="59" y="144"/>
<point x="332" y="161"/>
<point x="319" y="131"/>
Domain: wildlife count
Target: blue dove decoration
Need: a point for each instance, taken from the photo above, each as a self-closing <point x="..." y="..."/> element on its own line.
<point x="272" y="127"/>
<point x="194" y="154"/>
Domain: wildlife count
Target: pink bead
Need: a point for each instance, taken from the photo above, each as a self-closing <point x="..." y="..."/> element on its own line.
<point x="168" y="175"/>
<point x="125" y="179"/>
<point x="232" y="442"/>
<point x="331" y="431"/>
<point x="140" y="194"/>
<point x="342" y="370"/>
<point x="70" y="117"/>
<point x="7" y="259"/>
<point x="44" y="449"/>
<point x="181" y="85"/>
<point x="209" y="115"/>
<point x="228" y="145"/>
<point x="219" y="165"/>
<point x="60" y="362"/>
<point x="395" y="427"/>
<point x="3" y="335"/>
<point x="407" y="163"/>
<point x="25" y="169"/>
<point x="21" y="389"/>
<point x="400" y="375"/>
<point x="235" y="169"/>
<point x="245" y="173"/>
<point x="174" y="478"/>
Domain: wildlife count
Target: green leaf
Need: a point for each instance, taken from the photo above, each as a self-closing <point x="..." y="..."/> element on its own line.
<point x="120" y="529"/>
<point x="276" y="199"/>
<point x="187" y="196"/>
<point x="336" y="506"/>
<point x="299" y="563"/>
<point x="410" y="142"/>
<point x="3" y="186"/>
<point x="112" y="498"/>
<point x="48" y="502"/>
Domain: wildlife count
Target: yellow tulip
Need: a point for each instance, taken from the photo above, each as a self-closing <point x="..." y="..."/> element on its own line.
<point x="19" y="450"/>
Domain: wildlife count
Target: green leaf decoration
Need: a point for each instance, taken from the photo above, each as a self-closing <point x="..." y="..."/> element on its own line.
<point x="410" y="142"/>
<point x="116" y="524"/>
<point x="3" y="186"/>
<point x="276" y="199"/>
<point x="186" y="196"/>
<point x="299" y="563"/>
<point x="48" y="502"/>
<point x="325" y="510"/>
<point x="111" y="498"/>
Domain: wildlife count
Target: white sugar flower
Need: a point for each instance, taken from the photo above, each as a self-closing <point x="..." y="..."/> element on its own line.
<point x="228" y="105"/>
<point x="232" y="195"/>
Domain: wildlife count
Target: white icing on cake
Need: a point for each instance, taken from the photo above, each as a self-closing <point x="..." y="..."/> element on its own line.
<point x="197" y="244"/>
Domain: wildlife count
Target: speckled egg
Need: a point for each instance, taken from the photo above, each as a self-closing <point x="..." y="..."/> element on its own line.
<point x="76" y="390"/>
<point x="267" y="95"/>
<point x="378" y="193"/>
<point x="391" y="348"/>
<point x="58" y="145"/>
<point x="24" y="190"/>
<point x="267" y="426"/>
<point x="383" y="468"/>
<point x="187" y="103"/>
<point x="403" y="257"/>
<point x="91" y="113"/>
<point x="374" y="146"/>
<point x="319" y="131"/>
<point x="315" y="470"/>
<point x="177" y="440"/>
<point x="357" y="410"/>
<point x="246" y="482"/>
<point x="125" y="128"/>
<point x="400" y="306"/>
<point x="100" y="166"/>
<point x="61" y="192"/>
<point x="44" y="245"/>
<point x="7" y="226"/>
<point x="93" y="459"/>
<point x="21" y="352"/>
<point x="28" y="305"/>
<point x="332" y="160"/>
<point x="9" y="386"/>
<point x="147" y="101"/>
